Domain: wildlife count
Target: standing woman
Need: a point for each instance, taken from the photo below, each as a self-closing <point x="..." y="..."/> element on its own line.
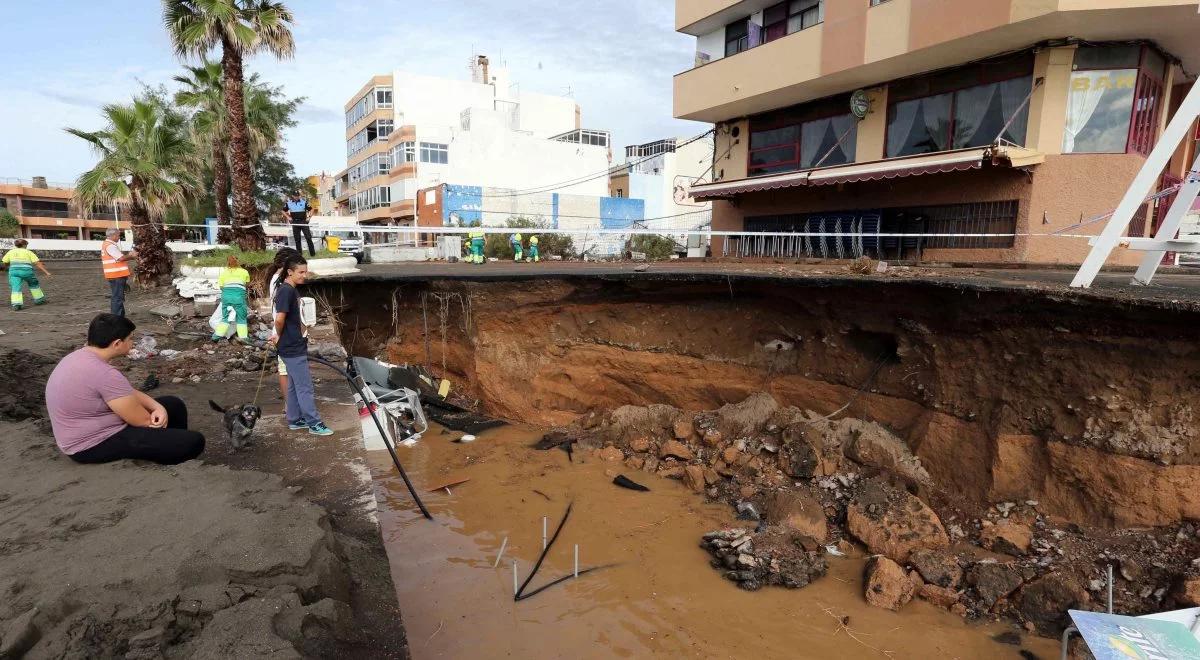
<point x="233" y="283"/>
<point x="21" y="262"/>
<point x="293" y="350"/>
<point x="274" y="276"/>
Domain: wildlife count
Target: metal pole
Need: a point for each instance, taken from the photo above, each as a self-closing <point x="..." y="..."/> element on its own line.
<point x="1178" y="127"/>
<point x="1170" y="225"/>
<point x="543" y="532"/>
<point x="576" y="560"/>
<point x="1110" y="581"/>
<point x="515" y="587"/>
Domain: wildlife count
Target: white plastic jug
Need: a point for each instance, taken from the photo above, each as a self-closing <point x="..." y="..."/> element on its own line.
<point x="308" y="311"/>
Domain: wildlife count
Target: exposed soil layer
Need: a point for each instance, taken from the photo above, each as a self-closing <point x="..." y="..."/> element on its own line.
<point x="1029" y="439"/>
<point x="1082" y="404"/>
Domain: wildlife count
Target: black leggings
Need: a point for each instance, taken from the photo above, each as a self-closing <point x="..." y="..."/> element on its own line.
<point x="170" y="446"/>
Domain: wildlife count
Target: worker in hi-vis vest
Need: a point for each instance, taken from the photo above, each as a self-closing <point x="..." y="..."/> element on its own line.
<point x="515" y="239"/>
<point x="477" y="239"/>
<point x="233" y="283"/>
<point x="21" y="262"/>
<point x="116" y="269"/>
<point x="534" y="255"/>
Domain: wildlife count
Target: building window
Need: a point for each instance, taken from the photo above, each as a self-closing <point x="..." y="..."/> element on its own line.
<point x="383" y="128"/>
<point x="43" y="208"/>
<point x="876" y="3"/>
<point x="435" y="153"/>
<point x="965" y="108"/>
<point x="737" y="37"/>
<point x="620" y="192"/>
<point x="775" y="22"/>
<point x="817" y="134"/>
<point x="383" y="97"/>
<point x="371" y="198"/>
<point x="803" y="14"/>
<point x="1115" y="100"/>
<point x="584" y="136"/>
<point x="405" y="152"/>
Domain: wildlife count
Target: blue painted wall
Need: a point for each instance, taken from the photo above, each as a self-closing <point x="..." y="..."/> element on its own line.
<point x="465" y="202"/>
<point x="620" y="212"/>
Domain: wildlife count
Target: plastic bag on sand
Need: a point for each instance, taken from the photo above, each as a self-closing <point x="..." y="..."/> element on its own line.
<point x="215" y="320"/>
<point x="145" y="347"/>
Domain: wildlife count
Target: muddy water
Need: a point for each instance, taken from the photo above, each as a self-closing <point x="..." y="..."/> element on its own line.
<point x="661" y="598"/>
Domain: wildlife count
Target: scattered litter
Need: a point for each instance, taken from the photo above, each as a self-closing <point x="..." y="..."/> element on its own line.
<point x="444" y="388"/>
<point x="151" y="383"/>
<point x="466" y="438"/>
<point x="2" y="333"/>
<point x="168" y="353"/>
<point x="543" y="495"/>
<point x="502" y="547"/>
<point x="626" y="482"/>
<point x="145" y="347"/>
<point x="641" y="269"/>
<point x="833" y="550"/>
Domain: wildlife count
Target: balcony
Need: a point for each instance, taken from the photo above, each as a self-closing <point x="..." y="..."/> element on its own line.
<point x="751" y="81"/>
<point x="697" y="17"/>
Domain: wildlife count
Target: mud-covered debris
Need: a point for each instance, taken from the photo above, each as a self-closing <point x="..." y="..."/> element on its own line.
<point x="892" y="522"/>
<point x="937" y="567"/>
<point x="887" y="585"/>
<point x="1008" y="537"/>
<point x="992" y="581"/>
<point x="941" y="596"/>
<point x="1045" y="602"/>
<point x="675" y="449"/>
<point x="772" y="557"/>
<point x="799" y="511"/>
<point x="747" y="511"/>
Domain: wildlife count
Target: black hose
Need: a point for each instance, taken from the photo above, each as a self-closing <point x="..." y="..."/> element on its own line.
<point x="545" y="551"/>
<point x="386" y="442"/>
<point x="560" y="581"/>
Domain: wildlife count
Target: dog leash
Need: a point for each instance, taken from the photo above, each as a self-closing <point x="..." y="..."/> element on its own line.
<point x="262" y="372"/>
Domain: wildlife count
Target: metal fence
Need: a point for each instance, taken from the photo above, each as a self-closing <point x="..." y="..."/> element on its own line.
<point x="972" y="218"/>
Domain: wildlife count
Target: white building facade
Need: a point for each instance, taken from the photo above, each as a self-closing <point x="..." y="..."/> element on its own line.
<point x="407" y="132"/>
<point x="660" y="174"/>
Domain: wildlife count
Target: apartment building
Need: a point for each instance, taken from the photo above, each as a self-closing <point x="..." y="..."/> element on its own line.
<point x="406" y="132"/>
<point x="46" y="210"/>
<point x="969" y="117"/>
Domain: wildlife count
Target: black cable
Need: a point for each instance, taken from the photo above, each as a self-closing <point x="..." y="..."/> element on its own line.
<point x="560" y="581"/>
<point x="545" y="551"/>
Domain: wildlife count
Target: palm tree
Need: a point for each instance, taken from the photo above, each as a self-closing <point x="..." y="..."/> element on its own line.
<point x="240" y="28"/>
<point x="267" y="114"/>
<point x="147" y="161"/>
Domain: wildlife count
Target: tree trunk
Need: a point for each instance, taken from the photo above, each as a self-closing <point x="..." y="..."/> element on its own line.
<point x="220" y="167"/>
<point x="154" y="263"/>
<point x="247" y="231"/>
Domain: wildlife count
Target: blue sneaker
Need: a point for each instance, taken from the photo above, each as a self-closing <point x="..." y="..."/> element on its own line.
<point x="296" y="426"/>
<point x="320" y="429"/>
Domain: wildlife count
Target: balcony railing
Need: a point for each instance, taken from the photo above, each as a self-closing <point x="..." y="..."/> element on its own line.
<point x="44" y="213"/>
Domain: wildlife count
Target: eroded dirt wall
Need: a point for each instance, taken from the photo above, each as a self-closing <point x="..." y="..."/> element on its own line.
<point x="1084" y="405"/>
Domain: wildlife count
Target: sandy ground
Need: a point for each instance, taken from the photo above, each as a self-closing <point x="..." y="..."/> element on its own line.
<point x="274" y="551"/>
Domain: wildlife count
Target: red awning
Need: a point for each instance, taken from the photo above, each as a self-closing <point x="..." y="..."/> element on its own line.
<point x="892" y="168"/>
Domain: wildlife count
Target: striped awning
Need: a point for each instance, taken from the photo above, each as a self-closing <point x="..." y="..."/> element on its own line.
<point x="891" y="168"/>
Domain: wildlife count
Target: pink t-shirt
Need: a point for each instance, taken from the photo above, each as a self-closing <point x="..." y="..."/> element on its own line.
<point x="77" y="396"/>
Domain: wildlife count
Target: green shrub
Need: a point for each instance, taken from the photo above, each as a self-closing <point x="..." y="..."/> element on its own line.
<point x="254" y="259"/>
<point x="10" y="227"/>
<point x="656" y="248"/>
<point x="497" y="245"/>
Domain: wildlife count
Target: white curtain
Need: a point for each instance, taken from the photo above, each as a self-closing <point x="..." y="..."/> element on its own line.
<point x="1012" y="94"/>
<point x="901" y="127"/>
<point x="970" y="111"/>
<point x="936" y="110"/>
<point x="1081" y="104"/>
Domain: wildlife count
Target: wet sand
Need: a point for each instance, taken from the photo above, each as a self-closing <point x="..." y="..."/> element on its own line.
<point x="661" y="598"/>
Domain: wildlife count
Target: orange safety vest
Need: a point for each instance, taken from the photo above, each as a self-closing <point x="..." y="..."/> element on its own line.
<point x="113" y="269"/>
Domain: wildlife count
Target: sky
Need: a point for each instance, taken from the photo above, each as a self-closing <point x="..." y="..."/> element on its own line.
<point x="65" y="59"/>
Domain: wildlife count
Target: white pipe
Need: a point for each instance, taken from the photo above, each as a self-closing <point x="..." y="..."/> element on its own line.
<point x="576" y="560"/>
<point x="515" y="587"/>
<point x="502" y="547"/>
<point x="543" y="532"/>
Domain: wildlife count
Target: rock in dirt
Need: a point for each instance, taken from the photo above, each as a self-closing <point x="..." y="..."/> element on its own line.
<point x="773" y="557"/>
<point x="611" y="454"/>
<point x="675" y="449"/>
<point x="19" y="635"/>
<point x="1045" y="602"/>
<point x="992" y="581"/>
<point x="748" y="417"/>
<point x="693" y="477"/>
<point x="940" y="596"/>
<point x="874" y="446"/>
<point x="887" y="585"/>
<point x="628" y="422"/>
<point x="797" y="458"/>
<point x="892" y="522"/>
<point x="1008" y="537"/>
<point x="798" y="510"/>
<point x="937" y="567"/>
<point x="1187" y="591"/>
<point x="684" y="429"/>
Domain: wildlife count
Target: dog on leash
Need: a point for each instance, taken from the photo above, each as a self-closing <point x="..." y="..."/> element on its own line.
<point x="239" y="423"/>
